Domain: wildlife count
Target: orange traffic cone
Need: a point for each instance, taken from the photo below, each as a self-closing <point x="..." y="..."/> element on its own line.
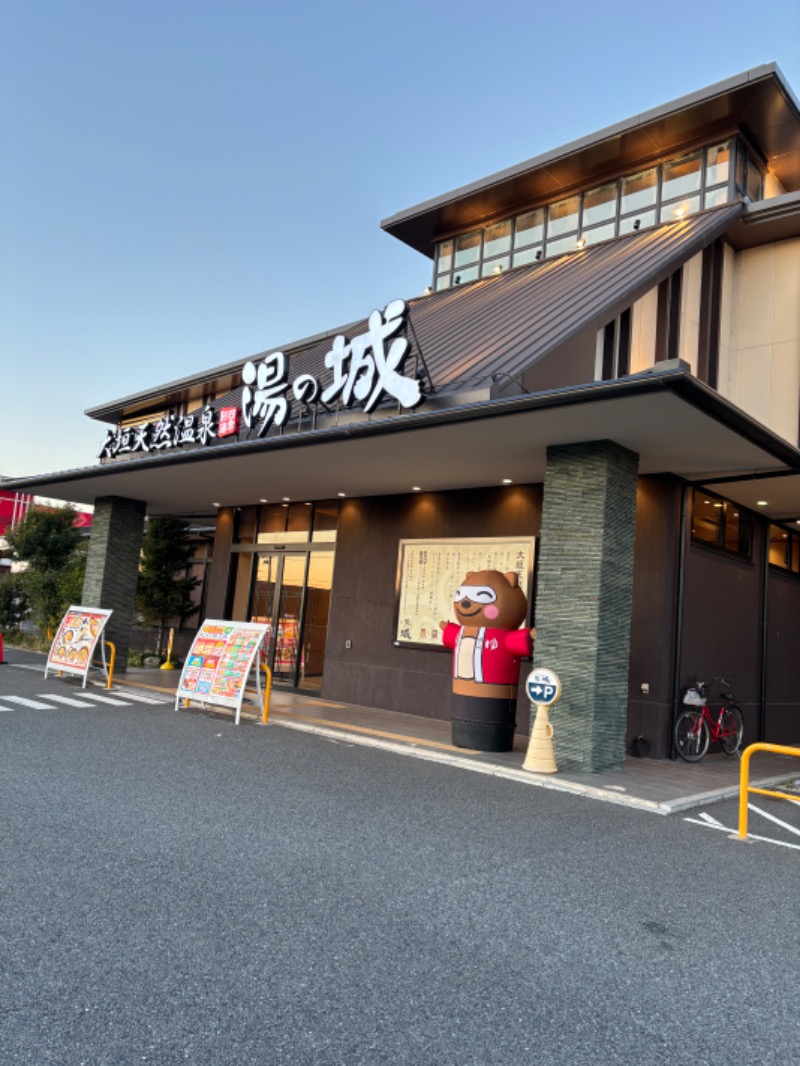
<point x="540" y="758"/>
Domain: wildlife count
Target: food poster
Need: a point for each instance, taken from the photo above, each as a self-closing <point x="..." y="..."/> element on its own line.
<point x="73" y="646"/>
<point x="430" y="571"/>
<point x="219" y="662"/>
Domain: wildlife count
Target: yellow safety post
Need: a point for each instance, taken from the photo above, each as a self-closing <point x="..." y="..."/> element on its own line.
<point x="267" y="690"/>
<point x="169" y="665"/>
<point x="745" y="788"/>
<point x="113" y="647"/>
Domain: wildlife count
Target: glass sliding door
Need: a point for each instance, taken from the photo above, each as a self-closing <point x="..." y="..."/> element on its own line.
<point x="290" y="592"/>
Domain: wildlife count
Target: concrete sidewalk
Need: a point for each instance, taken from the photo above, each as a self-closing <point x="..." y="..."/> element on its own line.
<point x="657" y="785"/>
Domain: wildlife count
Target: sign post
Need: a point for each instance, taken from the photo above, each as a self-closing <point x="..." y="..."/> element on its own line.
<point x="75" y="641"/>
<point x="219" y="663"/>
<point x="543" y="687"/>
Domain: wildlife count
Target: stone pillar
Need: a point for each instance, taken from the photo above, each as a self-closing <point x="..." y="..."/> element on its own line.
<point x="583" y="599"/>
<point x="218" y="579"/>
<point x="112" y="566"/>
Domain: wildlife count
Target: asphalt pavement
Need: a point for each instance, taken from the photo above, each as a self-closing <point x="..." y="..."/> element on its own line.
<point x="177" y="890"/>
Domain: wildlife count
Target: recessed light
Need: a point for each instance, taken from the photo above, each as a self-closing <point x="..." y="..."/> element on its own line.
<point x="307" y="504"/>
<point x="718" y="505"/>
<point x="287" y="499"/>
<point x="341" y="493"/>
<point x="761" y="503"/>
<point x="797" y="521"/>
<point x="416" y="488"/>
<point x="215" y="505"/>
<point x="507" y="481"/>
<point x="263" y="500"/>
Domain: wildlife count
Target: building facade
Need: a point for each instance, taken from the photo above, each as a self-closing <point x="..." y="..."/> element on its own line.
<point x="600" y="390"/>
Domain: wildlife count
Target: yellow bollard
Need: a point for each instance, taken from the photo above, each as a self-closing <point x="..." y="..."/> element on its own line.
<point x="267" y="691"/>
<point x="541" y="757"/>
<point x="169" y="665"/>
<point x="113" y="647"/>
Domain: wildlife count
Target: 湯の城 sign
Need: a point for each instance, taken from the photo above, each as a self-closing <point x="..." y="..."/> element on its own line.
<point x="75" y="641"/>
<point x="364" y="370"/>
<point x="219" y="663"/>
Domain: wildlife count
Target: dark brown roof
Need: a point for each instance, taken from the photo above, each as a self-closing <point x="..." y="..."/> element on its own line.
<point x="504" y="324"/>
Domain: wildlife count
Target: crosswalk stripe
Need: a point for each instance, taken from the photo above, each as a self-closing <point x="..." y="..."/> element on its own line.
<point x="138" y="698"/>
<point x="103" y="699"/>
<point x="33" y="704"/>
<point x="68" y="700"/>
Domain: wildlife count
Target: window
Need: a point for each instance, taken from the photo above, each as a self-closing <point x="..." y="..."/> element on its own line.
<point x="599" y="204"/>
<point x="497" y="239"/>
<point x="639" y="191"/>
<point x="563" y="217"/>
<point x="784" y="549"/>
<point x="675" y="189"/>
<point x="718" y="523"/>
<point x="682" y="176"/>
<point x="468" y="249"/>
<point x="529" y="228"/>
<point x="444" y="257"/>
<point x="718" y="164"/>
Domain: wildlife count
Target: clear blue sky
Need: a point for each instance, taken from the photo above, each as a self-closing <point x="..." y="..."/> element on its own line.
<point x="186" y="183"/>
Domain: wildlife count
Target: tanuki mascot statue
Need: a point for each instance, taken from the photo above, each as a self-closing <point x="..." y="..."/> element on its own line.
<point x="487" y="646"/>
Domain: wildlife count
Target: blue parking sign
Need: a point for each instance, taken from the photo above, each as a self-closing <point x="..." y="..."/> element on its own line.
<point x="543" y="686"/>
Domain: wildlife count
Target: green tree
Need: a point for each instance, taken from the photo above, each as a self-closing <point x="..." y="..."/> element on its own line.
<point x="51" y="546"/>
<point x="13" y="602"/>
<point x="165" y="590"/>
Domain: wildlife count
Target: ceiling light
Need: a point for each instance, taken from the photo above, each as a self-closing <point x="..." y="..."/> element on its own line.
<point x="287" y="499"/>
<point x="416" y="488"/>
<point x="263" y="500"/>
<point x="718" y="505"/>
<point x="341" y="493"/>
<point x="507" y="481"/>
<point x="307" y="504"/>
<point x="761" y="503"/>
<point x="215" y="505"/>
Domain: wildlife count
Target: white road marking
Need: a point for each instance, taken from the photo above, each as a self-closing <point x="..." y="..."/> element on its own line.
<point x="772" y="818"/>
<point x="139" y="698"/>
<point x="103" y="699"/>
<point x="68" y="700"/>
<point x="734" y="832"/>
<point x="33" y="704"/>
<point x="711" y="821"/>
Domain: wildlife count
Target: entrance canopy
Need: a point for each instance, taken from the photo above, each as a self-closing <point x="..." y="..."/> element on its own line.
<point x="672" y="421"/>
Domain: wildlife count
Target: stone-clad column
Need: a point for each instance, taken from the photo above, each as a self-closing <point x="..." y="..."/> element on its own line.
<point x="583" y="600"/>
<point x="112" y="566"/>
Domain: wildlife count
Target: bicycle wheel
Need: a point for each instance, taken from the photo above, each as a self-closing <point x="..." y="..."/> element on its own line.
<point x="732" y="729"/>
<point x="691" y="736"/>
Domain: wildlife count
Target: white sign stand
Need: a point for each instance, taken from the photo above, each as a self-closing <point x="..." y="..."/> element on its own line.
<point x="73" y="646"/>
<point x="219" y="663"/>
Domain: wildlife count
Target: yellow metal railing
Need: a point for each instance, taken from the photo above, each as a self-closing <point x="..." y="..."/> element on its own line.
<point x="745" y="788"/>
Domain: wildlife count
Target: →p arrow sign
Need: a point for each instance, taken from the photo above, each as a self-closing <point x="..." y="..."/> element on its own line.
<point x="543" y="686"/>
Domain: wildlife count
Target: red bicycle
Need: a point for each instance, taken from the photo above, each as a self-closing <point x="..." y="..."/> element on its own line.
<point x="696" y="726"/>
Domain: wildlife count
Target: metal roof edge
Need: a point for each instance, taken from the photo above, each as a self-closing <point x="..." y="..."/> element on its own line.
<point x="736" y="81"/>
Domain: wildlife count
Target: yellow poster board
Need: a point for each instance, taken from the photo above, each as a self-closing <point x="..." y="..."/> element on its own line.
<point x="430" y="571"/>
<point x="73" y="646"/>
